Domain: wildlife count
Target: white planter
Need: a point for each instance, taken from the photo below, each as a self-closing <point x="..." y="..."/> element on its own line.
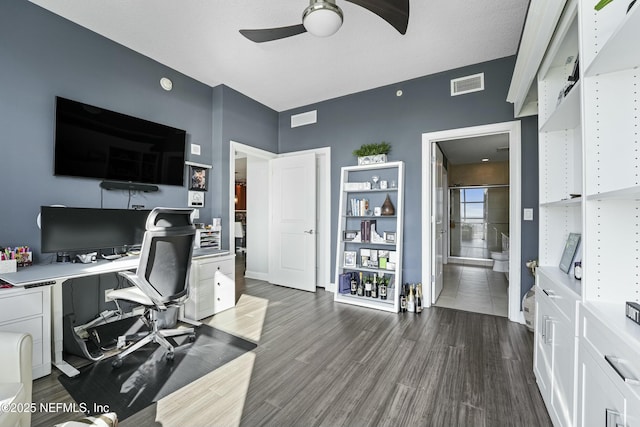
<point x="369" y="160"/>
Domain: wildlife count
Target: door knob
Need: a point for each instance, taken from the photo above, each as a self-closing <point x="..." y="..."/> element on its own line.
<point x="309" y="232"/>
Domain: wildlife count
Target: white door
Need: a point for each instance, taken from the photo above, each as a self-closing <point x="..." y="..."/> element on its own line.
<point x="437" y="222"/>
<point x="292" y="255"/>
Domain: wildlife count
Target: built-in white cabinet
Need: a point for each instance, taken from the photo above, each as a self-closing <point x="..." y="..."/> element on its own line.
<point x="556" y="343"/>
<point x="589" y="168"/>
<point x="369" y="241"/>
<point x="29" y="310"/>
<point x="609" y="373"/>
<point x="211" y="286"/>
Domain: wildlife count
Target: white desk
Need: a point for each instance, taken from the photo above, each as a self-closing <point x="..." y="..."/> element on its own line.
<point x="56" y="274"/>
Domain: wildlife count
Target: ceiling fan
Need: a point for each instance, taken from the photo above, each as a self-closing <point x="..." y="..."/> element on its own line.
<point x="323" y="18"/>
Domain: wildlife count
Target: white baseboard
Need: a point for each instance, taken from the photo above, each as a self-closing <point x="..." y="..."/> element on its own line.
<point x="256" y="275"/>
<point x="330" y="287"/>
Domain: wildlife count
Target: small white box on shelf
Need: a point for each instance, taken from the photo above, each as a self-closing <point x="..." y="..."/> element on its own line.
<point x="8" y="266"/>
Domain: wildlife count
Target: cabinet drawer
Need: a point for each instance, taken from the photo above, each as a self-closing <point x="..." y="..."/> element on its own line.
<point x="564" y="299"/>
<point x="614" y="355"/>
<point x="20" y="306"/>
<point x="207" y="269"/>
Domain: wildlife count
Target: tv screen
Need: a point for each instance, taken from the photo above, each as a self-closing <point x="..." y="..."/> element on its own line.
<point x="93" y="142"/>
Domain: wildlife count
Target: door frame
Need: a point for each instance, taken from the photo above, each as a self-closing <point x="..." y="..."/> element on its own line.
<point x="513" y="128"/>
<point x="323" y="209"/>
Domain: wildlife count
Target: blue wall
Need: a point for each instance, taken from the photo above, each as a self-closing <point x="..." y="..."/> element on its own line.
<point x="43" y="55"/>
<point x="426" y="106"/>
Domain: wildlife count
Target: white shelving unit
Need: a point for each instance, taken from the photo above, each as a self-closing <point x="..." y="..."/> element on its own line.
<point x="350" y="221"/>
<point x="589" y="145"/>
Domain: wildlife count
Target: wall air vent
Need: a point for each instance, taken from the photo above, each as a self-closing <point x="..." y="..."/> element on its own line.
<point x="467" y="84"/>
<point x="303" y="119"/>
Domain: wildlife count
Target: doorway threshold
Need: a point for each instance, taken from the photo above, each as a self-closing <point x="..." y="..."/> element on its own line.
<point x="470" y="261"/>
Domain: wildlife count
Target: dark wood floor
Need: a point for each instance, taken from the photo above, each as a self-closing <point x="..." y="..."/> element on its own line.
<point x="328" y="364"/>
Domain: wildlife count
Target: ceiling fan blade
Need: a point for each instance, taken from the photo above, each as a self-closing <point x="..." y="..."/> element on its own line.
<point x="395" y="12"/>
<point x="269" y="34"/>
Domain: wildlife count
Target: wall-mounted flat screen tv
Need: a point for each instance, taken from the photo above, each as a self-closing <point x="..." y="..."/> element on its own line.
<point x="93" y="142"/>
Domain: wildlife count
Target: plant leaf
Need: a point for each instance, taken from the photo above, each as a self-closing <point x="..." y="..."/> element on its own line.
<point x="602" y="3"/>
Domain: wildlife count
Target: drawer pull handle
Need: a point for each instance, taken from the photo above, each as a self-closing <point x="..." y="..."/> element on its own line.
<point x="615" y="364"/>
<point x="550" y="294"/>
<point x="611" y="418"/>
<point x="546" y="335"/>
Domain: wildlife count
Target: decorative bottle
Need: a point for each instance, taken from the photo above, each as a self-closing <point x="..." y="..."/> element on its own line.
<point x="382" y="289"/>
<point x="367" y="287"/>
<point x="411" y="300"/>
<point x="360" y="290"/>
<point x="419" y="298"/>
<point x="403" y="300"/>
<point x="354" y="284"/>
<point x="374" y="287"/>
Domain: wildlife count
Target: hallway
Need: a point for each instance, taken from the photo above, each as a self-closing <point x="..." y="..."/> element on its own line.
<point x="474" y="288"/>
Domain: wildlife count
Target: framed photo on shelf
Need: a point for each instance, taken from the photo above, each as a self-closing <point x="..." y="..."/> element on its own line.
<point x="349" y="235"/>
<point x="569" y="252"/>
<point x="197" y="178"/>
<point x="350" y="258"/>
<point x="389" y="236"/>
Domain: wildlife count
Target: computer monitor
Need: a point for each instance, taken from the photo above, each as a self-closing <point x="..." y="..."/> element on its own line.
<point x="64" y="229"/>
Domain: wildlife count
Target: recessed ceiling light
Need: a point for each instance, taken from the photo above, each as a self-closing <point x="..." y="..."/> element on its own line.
<point x="485" y="159"/>
<point x="399" y="93"/>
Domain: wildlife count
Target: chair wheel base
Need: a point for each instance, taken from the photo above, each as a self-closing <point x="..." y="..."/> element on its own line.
<point x="192" y="337"/>
<point x="116" y="363"/>
<point x="170" y="357"/>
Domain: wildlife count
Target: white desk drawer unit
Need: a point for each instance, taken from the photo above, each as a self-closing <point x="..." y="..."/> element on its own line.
<point x="609" y="361"/>
<point x="212" y="286"/>
<point x="29" y="310"/>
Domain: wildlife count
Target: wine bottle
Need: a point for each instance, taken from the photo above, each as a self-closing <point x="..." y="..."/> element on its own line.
<point x="354" y="284"/>
<point x="411" y="300"/>
<point x="374" y="287"/>
<point x="419" y="298"/>
<point x="382" y="289"/>
<point x="367" y="287"/>
<point x="403" y="300"/>
<point x="360" y="289"/>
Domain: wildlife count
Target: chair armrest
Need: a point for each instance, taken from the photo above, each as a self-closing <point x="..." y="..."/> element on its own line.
<point x="16" y="358"/>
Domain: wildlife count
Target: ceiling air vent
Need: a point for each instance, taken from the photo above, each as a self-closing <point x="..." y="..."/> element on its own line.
<point x="467" y="84"/>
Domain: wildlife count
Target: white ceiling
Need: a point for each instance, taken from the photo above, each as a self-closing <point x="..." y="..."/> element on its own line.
<point x="200" y="38"/>
<point x="472" y="150"/>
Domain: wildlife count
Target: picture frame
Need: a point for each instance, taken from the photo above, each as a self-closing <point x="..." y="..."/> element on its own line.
<point x="349" y="259"/>
<point x="197" y="178"/>
<point x="570" y="249"/>
<point x="349" y="235"/>
<point x="389" y="236"/>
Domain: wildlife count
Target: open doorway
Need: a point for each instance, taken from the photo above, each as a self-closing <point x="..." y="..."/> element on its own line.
<point x="258" y="208"/>
<point x="471" y="226"/>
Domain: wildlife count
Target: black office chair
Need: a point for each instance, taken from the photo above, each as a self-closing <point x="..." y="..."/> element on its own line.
<point x="162" y="277"/>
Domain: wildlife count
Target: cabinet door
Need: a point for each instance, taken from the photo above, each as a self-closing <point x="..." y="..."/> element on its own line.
<point x="562" y="341"/>
<point x="601" y="404"/>
<point x="542" y="351"/>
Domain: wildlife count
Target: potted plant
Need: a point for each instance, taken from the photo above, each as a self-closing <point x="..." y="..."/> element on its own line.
<point x="372" y="153"/>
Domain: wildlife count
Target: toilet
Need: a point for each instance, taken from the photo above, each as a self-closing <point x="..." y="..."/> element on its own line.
<point x="500" y="261"/>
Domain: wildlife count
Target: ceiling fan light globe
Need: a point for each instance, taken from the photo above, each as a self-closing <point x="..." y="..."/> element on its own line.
<point x="322" y="18"/>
